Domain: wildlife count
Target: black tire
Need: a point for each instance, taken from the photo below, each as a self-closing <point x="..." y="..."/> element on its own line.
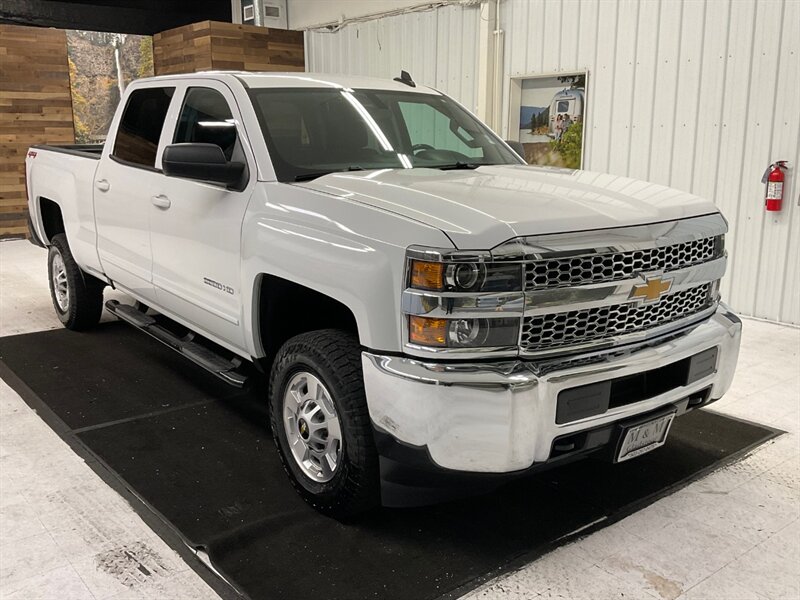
<point x="84" y="292"/>
<point x="334" y="357"/>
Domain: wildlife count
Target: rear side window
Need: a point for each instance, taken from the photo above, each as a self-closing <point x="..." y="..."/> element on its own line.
<point x="206" y="118"/>
<point x="141" y="125"/>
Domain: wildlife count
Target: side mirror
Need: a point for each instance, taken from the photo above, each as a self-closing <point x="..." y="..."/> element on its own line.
<point x="204" y="162"/>
<point x="517" y="147"/>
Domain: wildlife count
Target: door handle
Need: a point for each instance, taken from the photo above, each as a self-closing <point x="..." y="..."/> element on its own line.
<point x="102" y="185"/>
<point x="161" y="201"/>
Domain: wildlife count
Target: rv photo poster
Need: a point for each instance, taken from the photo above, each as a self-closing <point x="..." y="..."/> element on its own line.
<point x="551" y="112"/>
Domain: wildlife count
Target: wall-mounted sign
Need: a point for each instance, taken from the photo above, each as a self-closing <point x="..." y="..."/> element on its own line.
<point x="101" y="64"/>
<point x="547" y="115"/>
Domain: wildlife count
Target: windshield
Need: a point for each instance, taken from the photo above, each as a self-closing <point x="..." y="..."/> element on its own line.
<point x="311" y="132"/>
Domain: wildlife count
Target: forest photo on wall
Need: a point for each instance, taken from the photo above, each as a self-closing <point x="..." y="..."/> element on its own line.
<point x="101" y="65"/>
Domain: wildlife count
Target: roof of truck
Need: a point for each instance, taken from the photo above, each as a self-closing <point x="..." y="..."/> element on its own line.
<point x="303" y="80"/>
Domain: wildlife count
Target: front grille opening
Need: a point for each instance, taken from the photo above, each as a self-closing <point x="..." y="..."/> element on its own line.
<point x="593" y="268"/>
<point x="553" y="330"/>
<point x="627" y="390"/>
<point x="594" y="399"/>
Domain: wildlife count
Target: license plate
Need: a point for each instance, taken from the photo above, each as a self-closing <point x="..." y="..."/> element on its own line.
<point x="639" y="439"/>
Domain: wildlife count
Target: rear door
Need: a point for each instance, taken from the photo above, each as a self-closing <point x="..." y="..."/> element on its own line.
<point x="196" y="227"/>
<point x="126" y="180"/>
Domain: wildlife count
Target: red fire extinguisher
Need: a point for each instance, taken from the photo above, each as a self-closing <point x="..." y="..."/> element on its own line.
<point x="774" y="178"/>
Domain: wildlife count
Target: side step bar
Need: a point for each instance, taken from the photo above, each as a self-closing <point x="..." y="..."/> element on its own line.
<point x="197" y="353"/>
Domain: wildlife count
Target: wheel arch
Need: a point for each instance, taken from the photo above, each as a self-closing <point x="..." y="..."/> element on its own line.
<point x="284" y="309"/>
<point x="52" y="218"/>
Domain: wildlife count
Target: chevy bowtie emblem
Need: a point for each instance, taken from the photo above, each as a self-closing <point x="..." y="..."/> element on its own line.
<point x="652" y="289"/>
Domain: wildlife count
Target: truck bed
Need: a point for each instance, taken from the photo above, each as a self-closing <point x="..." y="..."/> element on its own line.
<point x="85" y="150"/>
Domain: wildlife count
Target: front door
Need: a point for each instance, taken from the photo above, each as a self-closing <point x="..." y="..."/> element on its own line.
<point x="195" y="227"/>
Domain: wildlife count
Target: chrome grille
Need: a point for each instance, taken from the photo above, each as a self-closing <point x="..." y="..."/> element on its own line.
<point x="543" y="332"/>
<point x="565" y="272"/>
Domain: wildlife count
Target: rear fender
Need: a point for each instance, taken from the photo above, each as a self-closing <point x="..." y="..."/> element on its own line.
<point x="66" y="180"/>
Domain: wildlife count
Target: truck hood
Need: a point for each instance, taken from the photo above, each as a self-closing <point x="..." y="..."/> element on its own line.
<point x="481" y="208"/>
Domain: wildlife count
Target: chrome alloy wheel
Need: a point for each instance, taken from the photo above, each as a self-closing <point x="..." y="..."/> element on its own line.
<point x="58" y="273"/>
<point x="312" y="427"/>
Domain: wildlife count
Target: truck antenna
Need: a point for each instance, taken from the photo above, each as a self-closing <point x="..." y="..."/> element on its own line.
<point x="405" y="78"/>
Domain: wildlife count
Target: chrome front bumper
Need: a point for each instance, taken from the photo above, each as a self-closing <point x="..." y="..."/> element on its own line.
<point x="501" y="417"/>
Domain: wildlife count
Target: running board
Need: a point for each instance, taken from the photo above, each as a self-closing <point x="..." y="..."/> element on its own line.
<point x="197" y="353"/>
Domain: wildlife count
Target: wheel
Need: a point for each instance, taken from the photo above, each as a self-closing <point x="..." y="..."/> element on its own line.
<point x="77" y="296"/>
<point x="320" y="423"/>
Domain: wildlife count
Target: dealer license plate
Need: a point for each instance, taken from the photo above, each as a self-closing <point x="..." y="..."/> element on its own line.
<point x="643" y="438"/>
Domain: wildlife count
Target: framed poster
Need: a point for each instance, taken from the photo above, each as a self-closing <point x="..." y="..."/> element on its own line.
<point x="547" y="116"/>
<point x="101" y="64"/>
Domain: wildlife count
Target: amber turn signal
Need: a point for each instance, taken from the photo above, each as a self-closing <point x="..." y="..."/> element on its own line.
<point x="427" y="331"/>
<point x="426" y="275"/>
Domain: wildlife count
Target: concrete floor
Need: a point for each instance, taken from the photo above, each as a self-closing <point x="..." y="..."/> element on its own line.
<point x="733" y="535"/>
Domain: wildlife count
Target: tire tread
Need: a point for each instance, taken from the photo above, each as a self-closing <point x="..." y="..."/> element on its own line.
<point x="339" y="353"/>
<point x="86" y="292"/>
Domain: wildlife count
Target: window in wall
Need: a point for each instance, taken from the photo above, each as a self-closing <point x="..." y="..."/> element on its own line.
<point x="141" y="125"/>
<point x="206" y="118"/>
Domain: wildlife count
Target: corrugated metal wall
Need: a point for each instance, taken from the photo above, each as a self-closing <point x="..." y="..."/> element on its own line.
<point x="698" y="95"/>
<point x="438" y="47"/>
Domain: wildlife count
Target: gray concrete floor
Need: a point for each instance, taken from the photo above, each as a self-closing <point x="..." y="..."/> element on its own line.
<point x="733" y="535"/>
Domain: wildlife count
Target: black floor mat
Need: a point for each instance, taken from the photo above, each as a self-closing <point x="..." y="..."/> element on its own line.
<point x="200" y="455"/>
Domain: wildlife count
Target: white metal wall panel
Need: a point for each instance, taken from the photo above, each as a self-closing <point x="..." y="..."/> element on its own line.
<point x="699" y="95"/>
<point x="642" y="90"/>
<point x="780" y="236"/>
<point x="438" y="47"/>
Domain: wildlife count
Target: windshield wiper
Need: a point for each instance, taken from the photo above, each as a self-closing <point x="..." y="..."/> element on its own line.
<point x="460" y="165"/>
<point x="314" y="175"/>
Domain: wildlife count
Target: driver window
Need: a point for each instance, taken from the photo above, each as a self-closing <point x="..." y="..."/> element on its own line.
<point x="427" y="126"/>
<point x="206" y="118"/>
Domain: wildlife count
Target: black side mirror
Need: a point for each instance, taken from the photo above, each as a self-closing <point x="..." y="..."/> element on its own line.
<point x="517" y="147"/>
<point x="204" y="162"/>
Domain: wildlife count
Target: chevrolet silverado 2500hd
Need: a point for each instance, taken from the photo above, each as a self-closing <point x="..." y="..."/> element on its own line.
<point x="433" y="313"/>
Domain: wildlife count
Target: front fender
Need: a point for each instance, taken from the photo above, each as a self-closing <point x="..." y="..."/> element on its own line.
<point x="348" y="251"/>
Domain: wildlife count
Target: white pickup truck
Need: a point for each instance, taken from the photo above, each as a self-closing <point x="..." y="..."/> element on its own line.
<point x="434" y="315"/>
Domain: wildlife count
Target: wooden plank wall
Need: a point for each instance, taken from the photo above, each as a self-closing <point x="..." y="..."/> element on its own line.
<point x="35" y="108"/>
<point x="214" y="45"/>
<point x="35" y="99"/>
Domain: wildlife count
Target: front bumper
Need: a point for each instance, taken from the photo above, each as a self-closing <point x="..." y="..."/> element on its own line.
<point x="501" y="417"/>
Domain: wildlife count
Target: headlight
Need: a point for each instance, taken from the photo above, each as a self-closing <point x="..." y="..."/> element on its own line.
<point x="461" y="302"/>
<point x="463" y="333"/>
<point x="465" y="276"/>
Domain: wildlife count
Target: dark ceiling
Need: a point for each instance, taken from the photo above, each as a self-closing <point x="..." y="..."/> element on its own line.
<point x="119" y="16"/>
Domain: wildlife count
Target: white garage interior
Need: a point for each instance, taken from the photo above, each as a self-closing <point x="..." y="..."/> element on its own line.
<point x="701" y="96"/>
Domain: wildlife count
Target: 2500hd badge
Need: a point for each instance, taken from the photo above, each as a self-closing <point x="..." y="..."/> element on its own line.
<point x="215" y="284"/>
